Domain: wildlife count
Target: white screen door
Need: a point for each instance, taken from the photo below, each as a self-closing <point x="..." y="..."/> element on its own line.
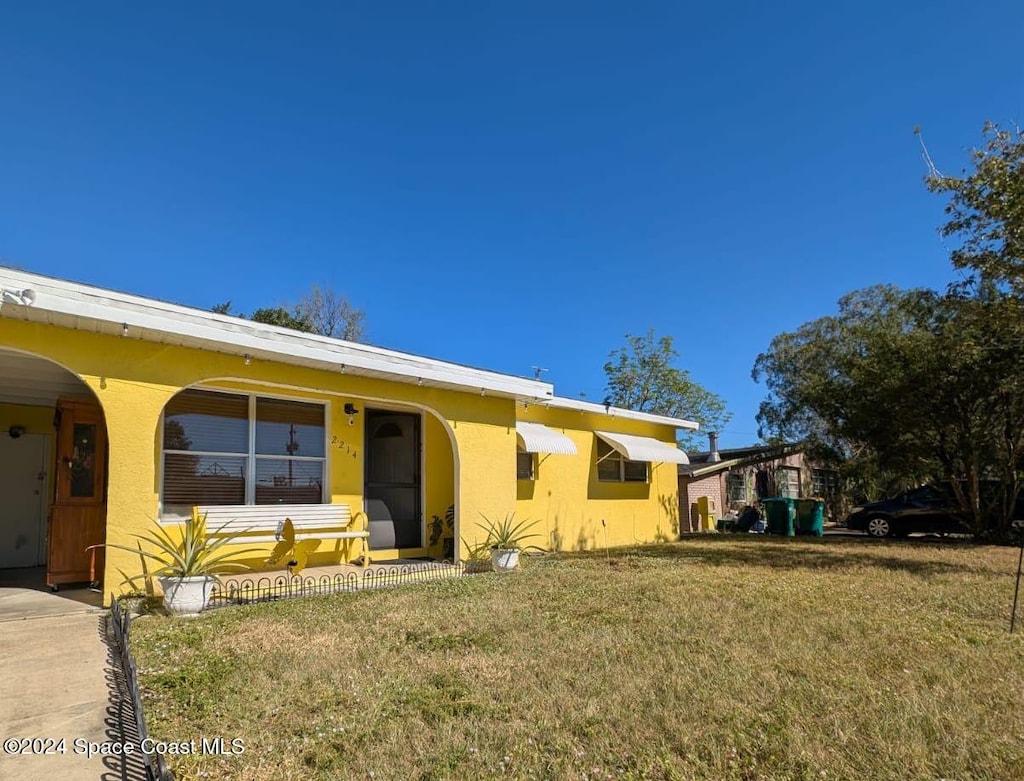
<point x="22" y="518"/>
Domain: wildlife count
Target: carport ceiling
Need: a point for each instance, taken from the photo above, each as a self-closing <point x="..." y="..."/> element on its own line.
<point x="26" y="379"/>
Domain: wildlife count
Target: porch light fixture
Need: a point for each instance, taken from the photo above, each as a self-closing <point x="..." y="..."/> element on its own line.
<point x="342" y="369"/>
<point x="419" y="381"/>
<point x="483" y="391"/>
<point x="124" y="329"/>
<point x="25" y="297"/>
<point x="248" y="359"/>
<point x="351" y="410"/>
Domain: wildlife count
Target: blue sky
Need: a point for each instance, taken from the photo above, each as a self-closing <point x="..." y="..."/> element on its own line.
<point x="503" y="185"/>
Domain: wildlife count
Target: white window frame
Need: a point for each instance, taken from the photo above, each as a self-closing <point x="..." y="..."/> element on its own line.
<point x="614" y="456"/>
<point x="251" y="456"/>
<point x="250" y="488"/>
<point x="734" y="477"/>
<point x="782" y="484"/>
<point x="827" y="479"/>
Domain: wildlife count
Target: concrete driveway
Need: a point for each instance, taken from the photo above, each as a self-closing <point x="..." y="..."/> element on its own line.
<point x="59" y="680"/>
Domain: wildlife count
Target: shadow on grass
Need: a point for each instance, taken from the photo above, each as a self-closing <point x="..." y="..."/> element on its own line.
<point x="797" y="553"/>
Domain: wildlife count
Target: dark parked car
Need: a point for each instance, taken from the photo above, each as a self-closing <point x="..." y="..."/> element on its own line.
<point x="925" y="509"/>
<point x="932" y="509"/>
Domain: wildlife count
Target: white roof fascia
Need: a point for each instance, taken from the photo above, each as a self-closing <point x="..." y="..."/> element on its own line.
<point x="644" y="448"/>
<point x="262" y="342"/>
<point x="538" y="438"/>
<point x="561" y="402"/>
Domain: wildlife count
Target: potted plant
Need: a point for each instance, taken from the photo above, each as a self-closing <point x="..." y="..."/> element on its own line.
<point x="188" y="568"/>
<point x="505" y="540"/>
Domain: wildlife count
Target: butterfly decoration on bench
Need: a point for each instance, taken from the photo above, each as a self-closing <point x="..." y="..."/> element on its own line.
<point x="296" y="552"/>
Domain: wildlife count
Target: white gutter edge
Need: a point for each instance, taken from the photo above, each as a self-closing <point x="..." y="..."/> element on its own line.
<point x="561" y="402"/>
<point x="259" y="340"/>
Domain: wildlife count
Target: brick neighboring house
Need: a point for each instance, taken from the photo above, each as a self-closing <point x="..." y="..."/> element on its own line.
<point x="735" y="477"/>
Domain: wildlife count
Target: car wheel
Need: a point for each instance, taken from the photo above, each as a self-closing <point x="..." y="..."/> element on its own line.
<point x="879" y="527"/>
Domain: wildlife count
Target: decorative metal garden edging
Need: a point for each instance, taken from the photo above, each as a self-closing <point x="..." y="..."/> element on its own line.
<point x="121" y="620"/>
<point x="266" y="588"/>
<point x="243" y="591"/>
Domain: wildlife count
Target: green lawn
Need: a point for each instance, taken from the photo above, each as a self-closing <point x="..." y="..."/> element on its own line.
<point x="721" y="658"/>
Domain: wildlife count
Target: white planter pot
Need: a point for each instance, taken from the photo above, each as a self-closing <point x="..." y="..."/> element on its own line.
<point x="186" y="596"/>
<point x="504" y="559"/>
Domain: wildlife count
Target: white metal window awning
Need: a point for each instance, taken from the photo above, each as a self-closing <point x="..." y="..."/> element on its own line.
<point x="637" y="448"/>
<point x="538" y="438"/>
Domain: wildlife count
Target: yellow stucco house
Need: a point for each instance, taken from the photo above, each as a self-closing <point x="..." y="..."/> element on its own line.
<point x="118" y="412"/>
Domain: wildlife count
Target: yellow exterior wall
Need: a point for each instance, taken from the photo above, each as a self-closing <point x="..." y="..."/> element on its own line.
<point x="487" y="451"/>
<point x="469" y="443"/>
<point x="439" y="474"/>
<point x="570" y="503"/>
<point x="133" y="380"/>
<point x="36" y="420"/>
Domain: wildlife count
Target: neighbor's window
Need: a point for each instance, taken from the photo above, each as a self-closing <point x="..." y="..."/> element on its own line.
<point x="526" y="465"/>
<point x="612" y="467"/>
<point x="824" y="482"/>
<point x="224" y="448"/>
<point x="788" y="480"/>
<point x="736" y="487"/>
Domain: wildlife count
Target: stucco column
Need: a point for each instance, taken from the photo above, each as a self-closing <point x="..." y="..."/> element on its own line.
<point x="486" y="476"/>
<point x="132" y="412"/>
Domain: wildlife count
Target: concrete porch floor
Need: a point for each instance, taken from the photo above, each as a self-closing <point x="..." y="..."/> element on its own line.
<point x="24" y="594"/>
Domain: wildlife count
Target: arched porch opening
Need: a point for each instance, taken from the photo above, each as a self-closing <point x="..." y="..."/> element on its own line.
<point x="53" y="474"/>
<point x="233" y="441"/>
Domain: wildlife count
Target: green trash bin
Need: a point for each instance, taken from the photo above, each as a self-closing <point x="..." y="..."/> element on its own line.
<point x="810" y="516"/>
<point x="781" y="513"/>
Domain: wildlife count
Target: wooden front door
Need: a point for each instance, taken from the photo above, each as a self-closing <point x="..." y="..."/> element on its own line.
<point x="79" y="512"/>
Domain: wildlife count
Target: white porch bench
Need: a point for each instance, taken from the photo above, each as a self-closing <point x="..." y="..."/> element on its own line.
<point x="264" y="522"/>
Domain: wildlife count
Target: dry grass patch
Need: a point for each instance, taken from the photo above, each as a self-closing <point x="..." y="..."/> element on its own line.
<point x="724" y="658"/>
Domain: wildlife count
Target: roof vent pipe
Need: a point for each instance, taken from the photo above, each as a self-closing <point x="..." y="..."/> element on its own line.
<point x="714" y="456"/>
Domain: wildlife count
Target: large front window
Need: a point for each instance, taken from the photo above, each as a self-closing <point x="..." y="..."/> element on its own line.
<point x="224" y="448"/>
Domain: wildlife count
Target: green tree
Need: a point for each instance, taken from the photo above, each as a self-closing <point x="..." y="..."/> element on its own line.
<point x="901" y="386"/>
<point x="286" y="318"/>
<point x="814" y="375"/>
<point x="321" y="311"/>
<point x="986" y="218"/>
<point x="641" y="377"/>
<point x="986" y="210"/>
